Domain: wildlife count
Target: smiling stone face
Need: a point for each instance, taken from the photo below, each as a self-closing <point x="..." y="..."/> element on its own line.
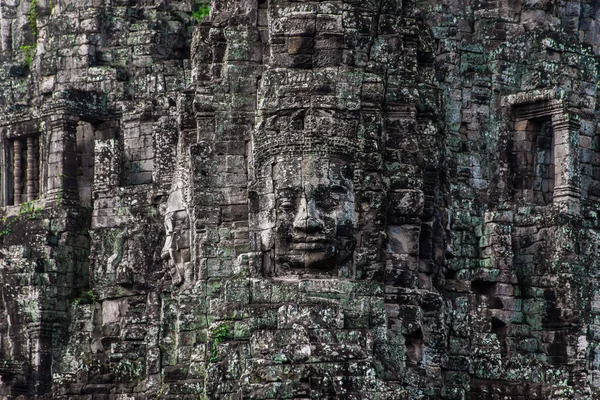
<point x="314" y="215"/>
<point x="304" y="160"/>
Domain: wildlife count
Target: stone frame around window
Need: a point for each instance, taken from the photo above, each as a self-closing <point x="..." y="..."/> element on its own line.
<point x="25" y="171"/>
<point x="523" y="111"/>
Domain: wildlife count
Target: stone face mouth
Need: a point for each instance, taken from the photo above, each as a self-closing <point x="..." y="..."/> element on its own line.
<point x="312" y="243"/>
<point x="310" y="246"/>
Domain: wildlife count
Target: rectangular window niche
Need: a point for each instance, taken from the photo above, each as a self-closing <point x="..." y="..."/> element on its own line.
<point x="544" y="159"/>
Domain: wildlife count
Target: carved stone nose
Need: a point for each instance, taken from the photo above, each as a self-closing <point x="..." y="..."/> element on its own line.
<point x="313" y="224"/>
<point x="308" y="219"/>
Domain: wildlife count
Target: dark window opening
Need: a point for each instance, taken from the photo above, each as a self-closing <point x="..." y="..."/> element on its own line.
<point x="543" y="188"/>
<point x="532" y="159"/>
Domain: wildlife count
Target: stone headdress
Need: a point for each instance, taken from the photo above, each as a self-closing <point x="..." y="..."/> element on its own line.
<point x="307" y="131"/>
<point x="180" y="193"/>
<point x="308" y="112"/>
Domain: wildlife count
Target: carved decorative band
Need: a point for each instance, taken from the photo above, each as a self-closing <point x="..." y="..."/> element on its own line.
<point x="339" y="146"/>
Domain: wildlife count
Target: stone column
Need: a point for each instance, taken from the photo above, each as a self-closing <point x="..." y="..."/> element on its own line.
<point x="31" y="169"/>
<point x="36" y="166"/>
<point x="62" y="160"/>
<point x="18" y="170"/>
<point x="566" y="160"/>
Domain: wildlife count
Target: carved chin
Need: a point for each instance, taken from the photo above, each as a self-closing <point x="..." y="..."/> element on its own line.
<point x="318" y="260"/>
<point x="316" y="255"/>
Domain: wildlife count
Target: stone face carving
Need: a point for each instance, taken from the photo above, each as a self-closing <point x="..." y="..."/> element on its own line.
<point x="305" y="162"/>
<point x="327" y="155"/>
<point x="315" y="220"/>
<point x="309" y="157"/>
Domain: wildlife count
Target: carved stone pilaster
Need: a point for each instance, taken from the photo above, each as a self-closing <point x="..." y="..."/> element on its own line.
<point x="62" y="163"/>
<point x="31" y="169"/>
<point x="18" y="170"/>
<point x="566" y="147"/>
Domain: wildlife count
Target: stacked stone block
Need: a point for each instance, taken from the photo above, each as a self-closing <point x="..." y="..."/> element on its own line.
<point x="519" y="54"/>
<point x="70" y="83"/>
<point x="475" y="176"/>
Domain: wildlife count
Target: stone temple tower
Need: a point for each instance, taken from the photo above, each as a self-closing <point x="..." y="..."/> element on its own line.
<point x="267" y="199"/>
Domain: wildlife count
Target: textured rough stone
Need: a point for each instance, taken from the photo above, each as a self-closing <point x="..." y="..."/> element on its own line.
<point x="322" y="199"/>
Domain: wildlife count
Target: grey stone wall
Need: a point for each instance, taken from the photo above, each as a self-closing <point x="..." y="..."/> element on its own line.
<point x="95" y="84"/>
<point x="279" y="199"/>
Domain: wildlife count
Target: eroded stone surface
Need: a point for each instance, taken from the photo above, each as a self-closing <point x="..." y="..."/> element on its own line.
<point x="322" y="199"/>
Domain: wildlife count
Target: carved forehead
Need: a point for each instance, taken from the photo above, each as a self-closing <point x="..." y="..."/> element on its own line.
<point x="311" y="171"/>
<point x="308" y="18"/>
<point x="287" y="173"/>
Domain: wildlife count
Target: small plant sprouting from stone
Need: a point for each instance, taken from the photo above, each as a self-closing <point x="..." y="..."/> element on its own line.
<point x="219" y="334"/>
<point x="85" y="297"/>
<point x="26" y="211"/>
<point x="59" y="197"/>
<point x="29" y="50"/>
<point x="29" y="210"/>
<point x="201" y="13"/>
<point x="7" y="226"/>
<point x="32" y="16"/>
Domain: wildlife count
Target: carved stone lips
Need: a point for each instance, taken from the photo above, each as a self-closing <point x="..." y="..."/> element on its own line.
<point x="316" y="243"/>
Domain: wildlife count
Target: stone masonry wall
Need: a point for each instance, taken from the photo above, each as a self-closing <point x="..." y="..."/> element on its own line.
<point x="522" y="279"/>
<point x="95" y="83"/>
<point x="299" y="199"/>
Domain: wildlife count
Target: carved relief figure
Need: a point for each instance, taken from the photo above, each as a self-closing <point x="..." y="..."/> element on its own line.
<point x="177" y="244"/>
<point x="176" y="249"/>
